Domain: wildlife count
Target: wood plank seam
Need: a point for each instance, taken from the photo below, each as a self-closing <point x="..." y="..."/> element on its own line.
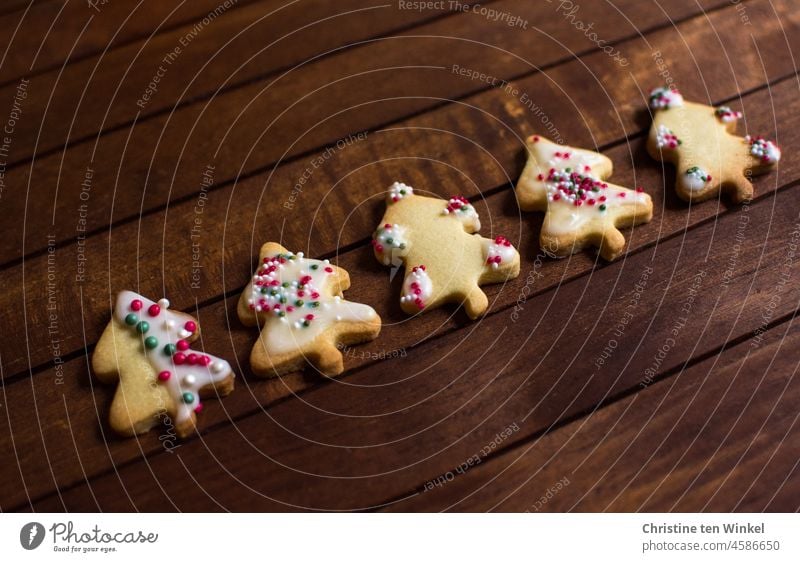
<point x="305" y="154"/>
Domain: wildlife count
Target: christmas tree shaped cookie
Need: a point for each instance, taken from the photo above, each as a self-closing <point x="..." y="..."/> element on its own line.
<point x="582" y="208"/>
<point x="145" y="348"/>
<point x="297" y="303"/>
<point x="699" y="141"/>
<point x="445" y="261"/>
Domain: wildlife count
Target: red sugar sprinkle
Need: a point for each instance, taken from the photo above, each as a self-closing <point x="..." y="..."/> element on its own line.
<point x="190" y="326"/>
<point x="329" y="269"/>
<point x="182" y="345"/>
<point x="621" y="194"/>
<point x="154" y="310"/>
<point x="179" y="358"/>
<point x="198" y="408"/>
<point x="136" y="304"/>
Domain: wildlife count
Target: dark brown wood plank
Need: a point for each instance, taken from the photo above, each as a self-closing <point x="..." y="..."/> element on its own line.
<point x="393" y="426"/>
<point x="721" y="436"/>
<point x="162" y="158"/>
<point x="41" y="38"/>
<point x="163" y="241"/>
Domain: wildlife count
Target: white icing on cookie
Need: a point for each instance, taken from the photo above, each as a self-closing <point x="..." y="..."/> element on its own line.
<point x="765" y="150"/>
<point x="182" y="371"/>
<point x="460" y="208"/>
<point x="664" y="98"/>
<point x="397" y="191"/>
<point x="695" y="179"/>
<point x="390" y="241"/>
<point x="417" y="287"/>
<point x="498" y="251"/>
<point x="294" y="293"/>
<point x="575" y="194"/>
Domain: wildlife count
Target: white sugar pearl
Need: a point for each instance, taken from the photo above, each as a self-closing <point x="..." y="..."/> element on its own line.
<point x="218" y="367"/>
<point x="169" y="324"/>
<point x="189" y="379"/>
<point x="184" y="334"/>
<point x="164" y="304"/>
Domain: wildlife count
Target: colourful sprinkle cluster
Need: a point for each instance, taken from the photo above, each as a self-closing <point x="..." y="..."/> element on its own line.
<point x="765" y="150"/>
<point x="176" y="351"/>
<point x="698" y="173"/>
<point x="279" y="297"/>
<point x="576" y="188"/>
<point x="495" y="259"/>
<point x="388" y="235"/>
<point x="398" y="190"/>
<point x="726" y="114"/>
<point x="458" y="204"/>
<point x="666" y="138"/>
<point x="416" y="289"/>
<point x="665" y="98"/>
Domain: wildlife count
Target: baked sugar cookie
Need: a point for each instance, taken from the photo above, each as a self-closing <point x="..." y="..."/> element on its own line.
<point x="700" y="141"/>
<point x="445" y="261"/>
<point x="145" y="348"/>
<point x="297" y="303"/>
<point x="582" y="208"/>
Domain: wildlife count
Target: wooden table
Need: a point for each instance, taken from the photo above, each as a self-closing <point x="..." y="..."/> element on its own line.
<point x="155" y="146"/>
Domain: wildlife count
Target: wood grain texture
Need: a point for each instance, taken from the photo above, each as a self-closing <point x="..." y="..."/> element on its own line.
<point x="482" y="152"/>
<point x="719" y="436"/>
<point x="424" y="397"/>
<point x="387" y="429"/>
<point x="217" y="326"/>
<point x="52" y="33"/>
<point x="142" y="166"/>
